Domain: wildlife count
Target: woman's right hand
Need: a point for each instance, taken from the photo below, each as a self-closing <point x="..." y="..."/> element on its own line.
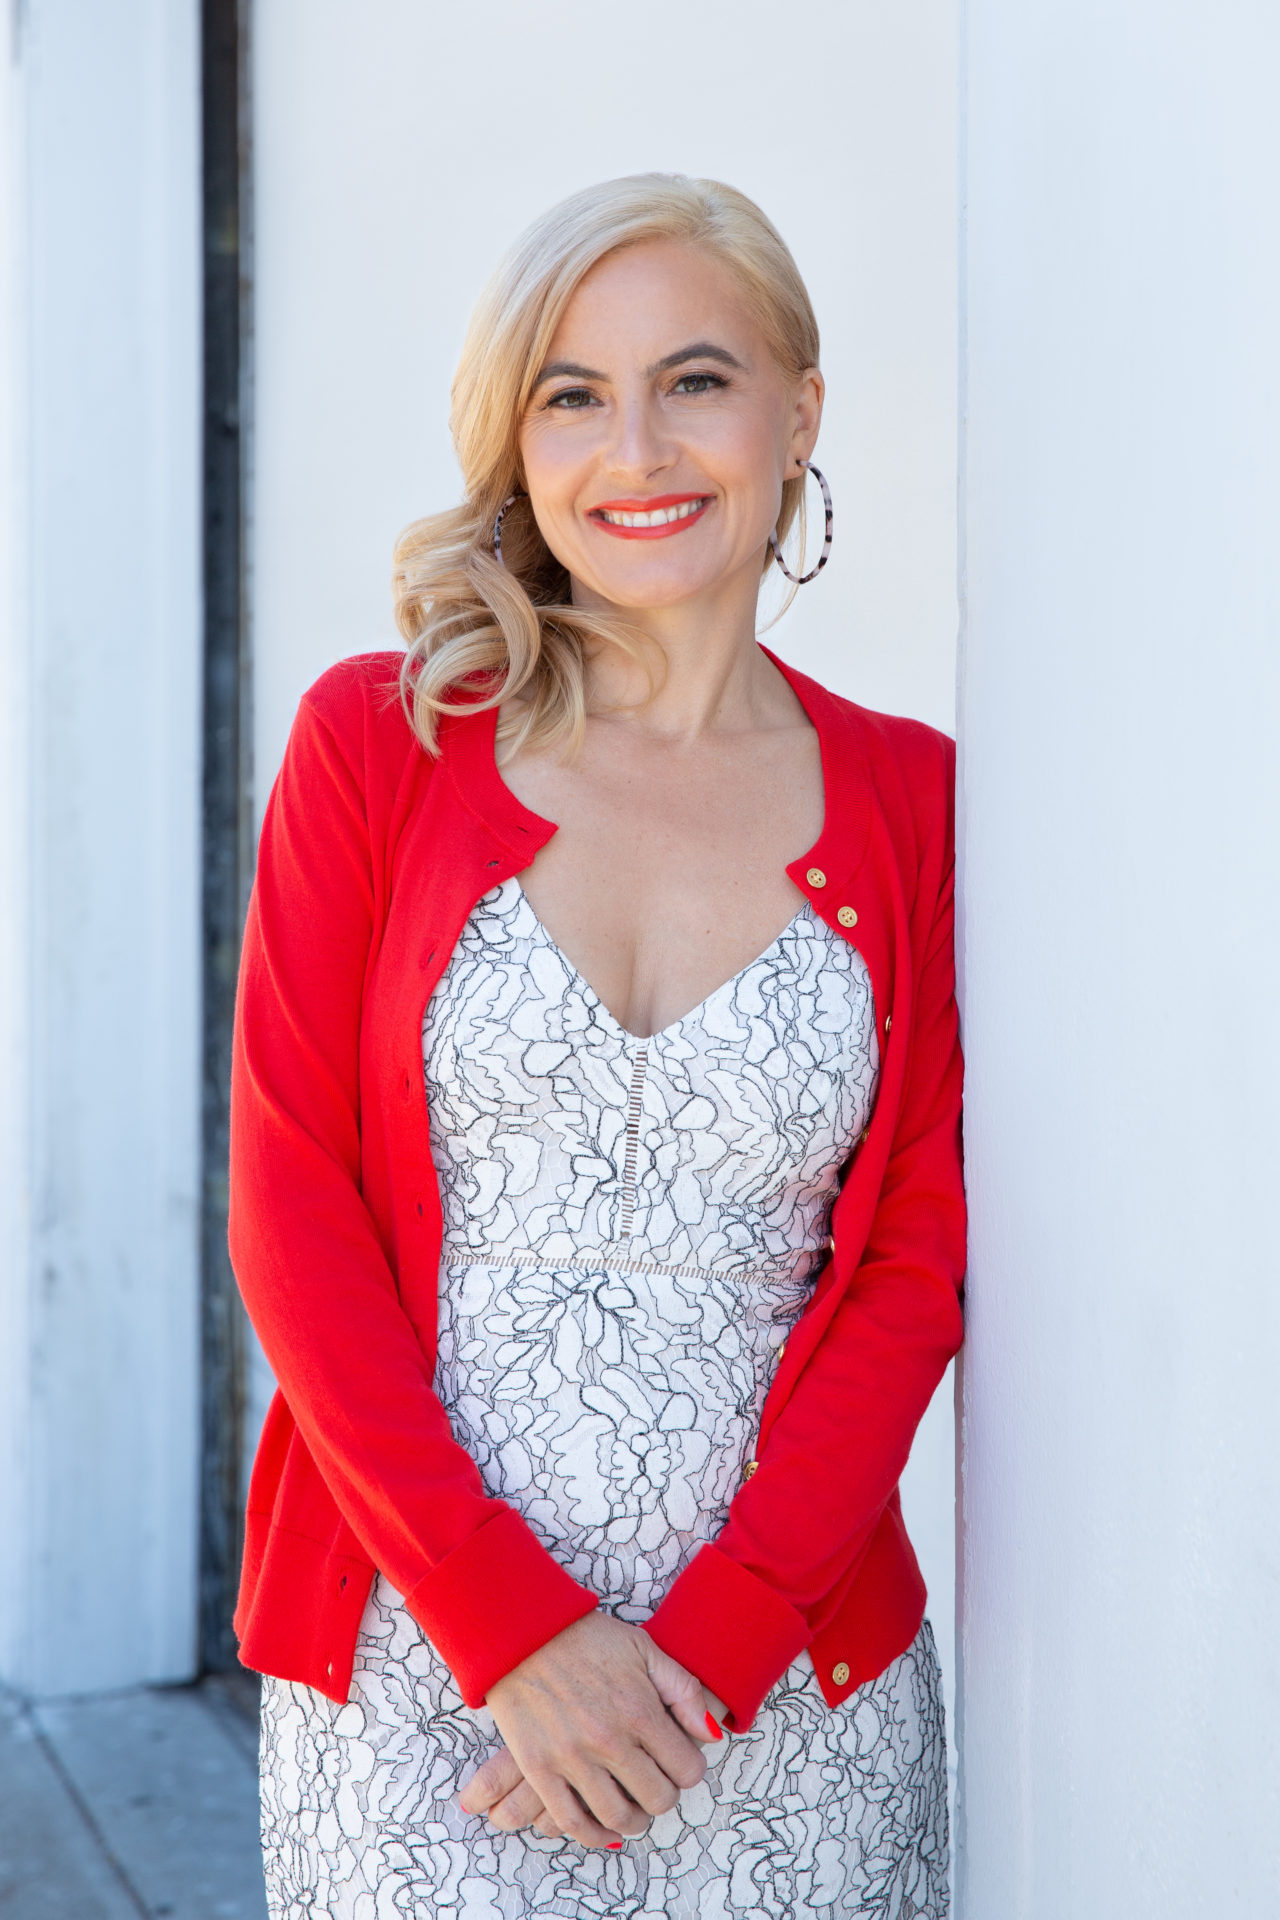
<point x="605" y="1727"/>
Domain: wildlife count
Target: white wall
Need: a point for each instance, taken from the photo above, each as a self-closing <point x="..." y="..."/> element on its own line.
<point x="1119" y="719"/>
<point x="99" y="847"/>
<point x="400" y="147"/>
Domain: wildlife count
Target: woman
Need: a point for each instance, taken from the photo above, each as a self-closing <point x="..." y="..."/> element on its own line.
<point x="595" y="1171"/>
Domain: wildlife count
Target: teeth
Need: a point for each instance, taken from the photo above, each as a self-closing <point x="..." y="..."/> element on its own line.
<point x="661" y="517"/>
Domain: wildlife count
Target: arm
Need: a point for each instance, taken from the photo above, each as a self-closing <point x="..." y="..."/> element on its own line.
<point x="315" y="1276"/>
<point x="743" y="1609"/>
<point x="579" y="1696"/>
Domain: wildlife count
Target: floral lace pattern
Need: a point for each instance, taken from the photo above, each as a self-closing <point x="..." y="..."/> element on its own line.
<point x="811" y="1815"/>
<point x="631" y="1226"/>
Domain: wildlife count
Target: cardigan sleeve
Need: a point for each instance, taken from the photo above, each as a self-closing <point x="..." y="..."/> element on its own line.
<point x="741" y="1611"/>
<point x="316" y="1279"/>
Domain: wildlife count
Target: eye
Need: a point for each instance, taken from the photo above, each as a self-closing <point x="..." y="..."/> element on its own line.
<point x="696" y="383"/>
<point x="571" y="399"/>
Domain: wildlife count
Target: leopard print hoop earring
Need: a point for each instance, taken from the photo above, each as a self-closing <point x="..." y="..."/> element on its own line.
<point x="497" y="527"/>
<point x="803" y="579"/>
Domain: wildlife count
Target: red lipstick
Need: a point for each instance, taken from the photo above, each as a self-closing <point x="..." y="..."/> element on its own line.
<point x="658" y="503"/>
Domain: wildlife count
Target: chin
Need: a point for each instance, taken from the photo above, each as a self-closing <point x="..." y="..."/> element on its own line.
<point x="658" y="587"/>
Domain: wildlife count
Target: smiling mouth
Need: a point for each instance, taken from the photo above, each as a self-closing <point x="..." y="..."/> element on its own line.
<point x="634" y="520"/>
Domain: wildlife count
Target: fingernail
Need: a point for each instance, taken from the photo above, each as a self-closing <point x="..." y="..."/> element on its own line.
<point x="614" y="1846"/>
<point x="714" y="1729"/>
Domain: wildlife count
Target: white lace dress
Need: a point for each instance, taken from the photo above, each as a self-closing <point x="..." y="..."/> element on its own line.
<point x="631" y="1226"/>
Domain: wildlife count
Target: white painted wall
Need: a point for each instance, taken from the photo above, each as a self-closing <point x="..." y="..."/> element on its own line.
<point x="14" y="775"/>
<point x="1120" y="713"/>
<point x="400" y="147"/>
<point x="99" y="790"/>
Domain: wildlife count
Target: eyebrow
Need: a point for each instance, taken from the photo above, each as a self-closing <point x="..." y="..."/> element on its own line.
<point x="700" y="350"/>
<point x="567" y="370"/>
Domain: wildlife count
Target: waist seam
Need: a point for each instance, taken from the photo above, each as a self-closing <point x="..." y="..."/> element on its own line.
<point x="598" y="1259"/>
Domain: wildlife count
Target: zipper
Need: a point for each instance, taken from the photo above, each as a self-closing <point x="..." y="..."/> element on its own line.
<point x="631" y="1150"/>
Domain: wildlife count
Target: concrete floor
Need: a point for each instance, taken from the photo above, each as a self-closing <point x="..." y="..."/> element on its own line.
<point x="125" y="1806"/>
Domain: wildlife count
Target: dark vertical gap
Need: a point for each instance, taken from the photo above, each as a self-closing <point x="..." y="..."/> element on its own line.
<point x="227" y="795"/>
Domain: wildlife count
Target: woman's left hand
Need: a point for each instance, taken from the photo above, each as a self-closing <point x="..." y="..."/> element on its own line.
<point x="500" y="1791"/>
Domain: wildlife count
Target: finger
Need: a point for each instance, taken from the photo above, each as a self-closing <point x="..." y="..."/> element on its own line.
<point x="645" y="1782"/>
<point x="572" y="1815"/>
<point x="666" y="1742"/>
<point x="499" y="1774"/>
<point x="605" y="1796"/>
<point x="682" y="1695"/>
<point x="519" y="1808"/>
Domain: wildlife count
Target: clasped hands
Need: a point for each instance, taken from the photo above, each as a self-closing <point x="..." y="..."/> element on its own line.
<point x="602" y="1731"/>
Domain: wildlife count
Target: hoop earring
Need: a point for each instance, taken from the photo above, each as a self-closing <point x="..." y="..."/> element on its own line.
<point x="803" y="579"/>
<point x="497" y="527"/>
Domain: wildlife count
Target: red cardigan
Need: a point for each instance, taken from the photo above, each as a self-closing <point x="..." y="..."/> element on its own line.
<point x="372" y="856"/>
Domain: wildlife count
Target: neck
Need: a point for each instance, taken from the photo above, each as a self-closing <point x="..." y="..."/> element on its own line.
<point x="710" y="674"/>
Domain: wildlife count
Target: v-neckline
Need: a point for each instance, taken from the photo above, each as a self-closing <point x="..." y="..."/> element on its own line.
<point x="647" y="1039"/>
<point x="467" y="750"/>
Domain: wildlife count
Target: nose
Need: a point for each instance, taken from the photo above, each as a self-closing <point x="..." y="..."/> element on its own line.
<point x="641" y="445"/>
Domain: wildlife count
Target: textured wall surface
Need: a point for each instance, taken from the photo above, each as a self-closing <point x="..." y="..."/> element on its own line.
<point x="1119" y="713"/>
<point x="99" y="849"/>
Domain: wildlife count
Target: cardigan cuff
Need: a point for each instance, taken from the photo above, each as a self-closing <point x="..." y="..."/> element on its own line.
<point x="733" y="1633"/>
<point x="493" y="1601"/>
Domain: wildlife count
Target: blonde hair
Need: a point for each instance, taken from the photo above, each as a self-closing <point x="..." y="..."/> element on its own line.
<point x="478" y="630"/>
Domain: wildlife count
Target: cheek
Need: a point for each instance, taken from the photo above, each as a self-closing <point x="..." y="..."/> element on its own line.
<point x="745" y="453"/>
<point x="551" y="480"/>
<point x="751" y="472"/>
<point x="554" y="474"/>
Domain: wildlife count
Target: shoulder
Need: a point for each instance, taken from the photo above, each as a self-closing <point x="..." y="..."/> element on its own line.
<point x="912" y="770"/>
<point x="894" y="740"/>
<point x="354" y="714"/>
<point x="909" y="765"/>
<point x="358" y="694"/>
<point x="351" y="752"/>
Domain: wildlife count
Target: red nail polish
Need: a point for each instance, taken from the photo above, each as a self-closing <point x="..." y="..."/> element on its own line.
<point x="713" y="1728"/>
<point x="613" y="1845"/>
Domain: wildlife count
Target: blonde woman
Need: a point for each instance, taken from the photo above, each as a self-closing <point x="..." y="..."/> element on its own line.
<point x="595" y="1166"/>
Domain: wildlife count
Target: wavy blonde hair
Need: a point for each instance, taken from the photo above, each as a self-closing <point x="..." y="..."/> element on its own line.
<point x="480" y="631"/>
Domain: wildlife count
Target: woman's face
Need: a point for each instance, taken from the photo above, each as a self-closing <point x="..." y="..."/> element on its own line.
<point x="660" y="431"/>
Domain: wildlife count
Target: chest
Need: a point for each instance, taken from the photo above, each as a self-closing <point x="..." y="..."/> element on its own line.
<point x="668" y="872"/>
<point x="715" y="1144"/>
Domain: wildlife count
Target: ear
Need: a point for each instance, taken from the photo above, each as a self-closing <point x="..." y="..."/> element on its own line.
<point x="810" y="391"/>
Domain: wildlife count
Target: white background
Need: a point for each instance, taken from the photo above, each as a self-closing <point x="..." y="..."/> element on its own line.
<point x="1120" y="808"/>
<point x="100" y="636"/>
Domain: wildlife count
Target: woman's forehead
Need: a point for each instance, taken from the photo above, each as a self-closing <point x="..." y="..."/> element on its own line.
<point x="653" y="300"/>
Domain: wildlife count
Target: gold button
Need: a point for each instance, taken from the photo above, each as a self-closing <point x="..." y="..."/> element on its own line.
<point x="888" y="1021"/>
<point x="782" y="1349"/>
<point x="847" y="917"/>
<point x="840" y="1672"/>
<point x="749" y="1469"/>
<point x="816" y="877"/>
